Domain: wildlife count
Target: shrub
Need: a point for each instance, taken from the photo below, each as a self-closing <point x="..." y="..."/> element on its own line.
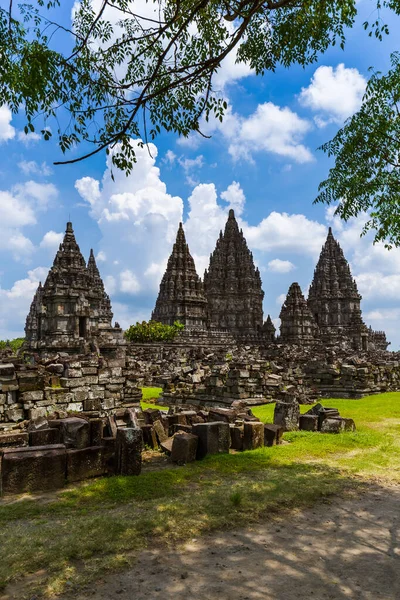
<point x="153" y="331"/>
<point x="15" y="345"/>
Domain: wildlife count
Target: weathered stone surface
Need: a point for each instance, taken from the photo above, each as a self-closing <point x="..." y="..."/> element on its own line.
<point x="96" y="431"/>
<point x="85" y="463"/>
<point x="287" y="415"/>
<point x="214" y="438"/>
<point x="253" y="435"/>
<point x="297" y="322"/>
<point x="232" y="284"/>
<point x="129" y="451"/>
<point x="181" y="296"/>
<point x="149" y="436"/>
<point x="237" y="437"/>
<point x="75" y="432"/>
<point x="272" y="434"/>
<point x="11" y="440"/>
<point x="32" y="469"/>
<point x="332" y="426"/>
<point x="184" y="448"/>
<point x="159" y="431"/>
<point x="308" y="422"/>
<point x="44" y="437"/>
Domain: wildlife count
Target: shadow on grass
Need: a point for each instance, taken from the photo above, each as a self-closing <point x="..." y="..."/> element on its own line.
<point x="100" y="526"/>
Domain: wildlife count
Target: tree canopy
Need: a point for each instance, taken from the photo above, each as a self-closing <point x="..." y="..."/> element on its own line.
<point x="133" y="68"/>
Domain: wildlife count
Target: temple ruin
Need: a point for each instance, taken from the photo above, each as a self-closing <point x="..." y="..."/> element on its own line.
<point x="232" y="284"/>
<point x="181" y="296"/>
<point x="71" y="309"/>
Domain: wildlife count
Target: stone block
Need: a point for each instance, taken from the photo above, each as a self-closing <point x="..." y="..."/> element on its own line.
<point x="149" y="436"/>
<point x="287" y="415"/>
<point x="129" y="446"/>
<point x="186" y="428"/>
<point x="96" y="431"/>
<point x="253" y="435"/>
<point x="14" y="439"/>
<point x="160" y="431"/>
<point x="236" y="437"/>
<point x="86" y="463"/>
<point x="308" y="422"/>
<point x="92" y="404"/>
<point x="184" y="448"/>
<point x="44" y="437"/>
<point x="213" y="437"/>
<point x="107" y="403"/>
<point x="272" y="434"/>
<point x="32" y="469"/>
<point x="332" y="426"/>
<point x="151" y="415"/>
<point x="14" y="414"/>
<point x="7" y="370"/>
<point x="75" y="432"/>
<point x="222" y="414"/>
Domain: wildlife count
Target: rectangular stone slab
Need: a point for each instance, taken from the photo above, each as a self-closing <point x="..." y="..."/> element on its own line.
<point x="44" y="437"/>
<point x="253" y="435"/>
<point x="214" y="438"/>
<point x="184" y="448"/>
<point x="33" y="469"/>
<point x="13" y="440"/>
<point x="86" y="463"/>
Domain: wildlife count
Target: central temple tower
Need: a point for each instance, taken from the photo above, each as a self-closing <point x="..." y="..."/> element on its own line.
<point x="232" y="284"/>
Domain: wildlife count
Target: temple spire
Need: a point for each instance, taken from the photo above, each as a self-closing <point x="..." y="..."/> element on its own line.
<point x="233" y="284"/>
<point x="297" y="323"/>
<point x="181" y="296"/>
<point x="333" y="295"/>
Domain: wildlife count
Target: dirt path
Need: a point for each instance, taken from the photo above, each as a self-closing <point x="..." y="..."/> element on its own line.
<point x="337" y="550"/>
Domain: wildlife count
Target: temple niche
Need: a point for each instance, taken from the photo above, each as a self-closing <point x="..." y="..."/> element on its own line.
<point x="297" y="322"/>
<point x="232" y="284"/>
<point x="181" y="296"/>
<point x="72" y="308"/>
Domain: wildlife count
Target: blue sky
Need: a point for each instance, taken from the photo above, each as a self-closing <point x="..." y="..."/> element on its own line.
<point x="262" y="161"/>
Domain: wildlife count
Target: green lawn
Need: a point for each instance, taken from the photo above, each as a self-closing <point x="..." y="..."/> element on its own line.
<point x="99" y="526"/>
<point x="150" y="396"/>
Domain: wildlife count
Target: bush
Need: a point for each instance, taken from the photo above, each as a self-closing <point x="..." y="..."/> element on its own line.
<point x="13" y="344"/>
<point x="152" y="331"/>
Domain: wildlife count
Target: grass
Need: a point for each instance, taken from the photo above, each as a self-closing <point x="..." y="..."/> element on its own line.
<point x="86" y="530"/>
<point x="150" y="396"/>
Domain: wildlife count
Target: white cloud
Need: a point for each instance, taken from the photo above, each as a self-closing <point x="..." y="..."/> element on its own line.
<point x="189" y="165"/>
<point x="15" y="302"/>
<point x="101" y="256"/>
<point x="334" y="94"/>
<point x="235" y="197"/>
<point x="294" y="233"/>
<point x="7" y="131"/>
<point x="39" y="194"/>
<point x="281" y="299"/>
<point x="31" y="167"/>
<point x="271" y="128"/>
<point x="129" y="283"/>
<point x="280" y="266"/>
<point x="28" y="138"/>
<point x="51" y="240"/>
<point x="169" y="157"/>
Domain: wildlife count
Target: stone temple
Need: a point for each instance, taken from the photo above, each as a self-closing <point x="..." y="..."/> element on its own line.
<point x="72" y="312"/>
<point x="232" y="284"/>
<point x="181" y="296"/>
<point x="232" y="297"/>
<point x="72" y="307"/>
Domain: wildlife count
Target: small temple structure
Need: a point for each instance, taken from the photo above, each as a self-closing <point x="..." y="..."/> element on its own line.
<point x="72" y="307"/>
<point x="232" y="284"/>
<point x="181" y="296"/>
<point x="297" y="322"/>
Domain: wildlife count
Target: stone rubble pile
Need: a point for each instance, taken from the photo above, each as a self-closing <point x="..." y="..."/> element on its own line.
<point x="51" y="452"/>
<point x="65" y="383"/>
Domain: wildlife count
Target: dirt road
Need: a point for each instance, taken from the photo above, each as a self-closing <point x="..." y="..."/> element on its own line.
<point x="335" y="551"/>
